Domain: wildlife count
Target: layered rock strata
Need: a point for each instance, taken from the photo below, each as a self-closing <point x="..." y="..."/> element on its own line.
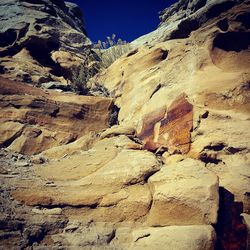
<point x="173" y="173"/>
<point x="42" y="41"/>
<point x="34" y="120"/>
<point x="210" y="68"/>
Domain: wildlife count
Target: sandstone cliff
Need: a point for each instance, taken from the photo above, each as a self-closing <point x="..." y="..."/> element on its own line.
<point x="41" y="41"/>
<point x="173" y="174"/>
<point x="185" y="16"/>
<point x="33" y="120"/>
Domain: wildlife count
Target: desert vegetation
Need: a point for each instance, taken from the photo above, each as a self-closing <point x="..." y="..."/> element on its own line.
<point x="82" y="74"/>
<point x="108" y="51"/>
<point x="111" y="49"/>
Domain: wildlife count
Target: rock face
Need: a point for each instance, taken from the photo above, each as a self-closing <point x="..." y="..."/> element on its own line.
<point x="185" y="16"/>
<point x="197" y="205"/>
<point x="211" y="68"/>
<point x="173" y="173"/>
<point x="184" y="237"/>
<point x="41" y="41"/>
<point x="34" y="120"/>
<point x="170" y="128"/>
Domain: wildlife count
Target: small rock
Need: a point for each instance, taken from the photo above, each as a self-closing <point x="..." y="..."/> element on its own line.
<point x="171" y="159"/>
<point x="56" y="85"/>
<point x="53" y="211"/>
<point x="22" y="164"/>
<point x="14" y="158"/>
<point x="9" y="175"/>
<point x="20" y="157"/>
<point x="38" y="160"/>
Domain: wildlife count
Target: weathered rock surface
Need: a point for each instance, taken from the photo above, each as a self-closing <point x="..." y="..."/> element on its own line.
<point x="110" y="193"/>
<point x="196" y="204"/>
<point x="169" y="129"/>
<point x="211" y="68"/>
<point x="185" y="16"/>
<point x="174" y="237"/>
<point x="102" y="176"/>
<point x="33" y="120"/>
<point x="40" y="41"/>
<point x="171" y="174"/>
<point x="22" y="226"/>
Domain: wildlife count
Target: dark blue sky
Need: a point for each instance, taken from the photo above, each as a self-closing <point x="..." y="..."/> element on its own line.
<point x="128" y="19"/>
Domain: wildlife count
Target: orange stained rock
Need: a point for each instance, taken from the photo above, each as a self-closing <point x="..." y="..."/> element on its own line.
<point x="169" y="129"/>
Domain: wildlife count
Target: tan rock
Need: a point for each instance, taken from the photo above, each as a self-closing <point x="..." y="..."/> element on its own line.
<point x="186" y="96"/>
<point x="184" y="193"/>
<point x="130" y="204"/>
<point x="83" y="143"/>
<point x="34" y="120"/>
<point x="77" y="166"/>
<point x="121" y="172"/>
<point x="99" y="175"/>
<point x="9" y="132"/>
<point x="53" y="211"/>
<point x="118" y="130"/>
<point x="65" y="59"/>
<point x="171" y="159"/>
<point x="174" y="238"/>
<point x="211" y="66"/>
<point x="221" y="141"/>
<point x="232" y="168"/>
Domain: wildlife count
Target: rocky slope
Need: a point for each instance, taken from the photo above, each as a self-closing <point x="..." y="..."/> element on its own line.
<point x="195" y="91"/>
<point x="174" y="172"/>
<point x="33" y="120"/>
<point x="41" y="41"/>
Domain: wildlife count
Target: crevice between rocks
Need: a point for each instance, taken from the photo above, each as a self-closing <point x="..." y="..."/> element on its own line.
<point x="231" y="232"/>
<point x="143" y="236"/>
<point x="111" y="236"/>
<point x="158" y="87"/>
<point x="9" y="141"/>
<point x="65" y="206"/>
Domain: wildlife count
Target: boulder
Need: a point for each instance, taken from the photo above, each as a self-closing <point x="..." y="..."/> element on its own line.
<point x="185" y="193"/>
<point x="174" y="238"/>
<point x="103" y="178"/>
